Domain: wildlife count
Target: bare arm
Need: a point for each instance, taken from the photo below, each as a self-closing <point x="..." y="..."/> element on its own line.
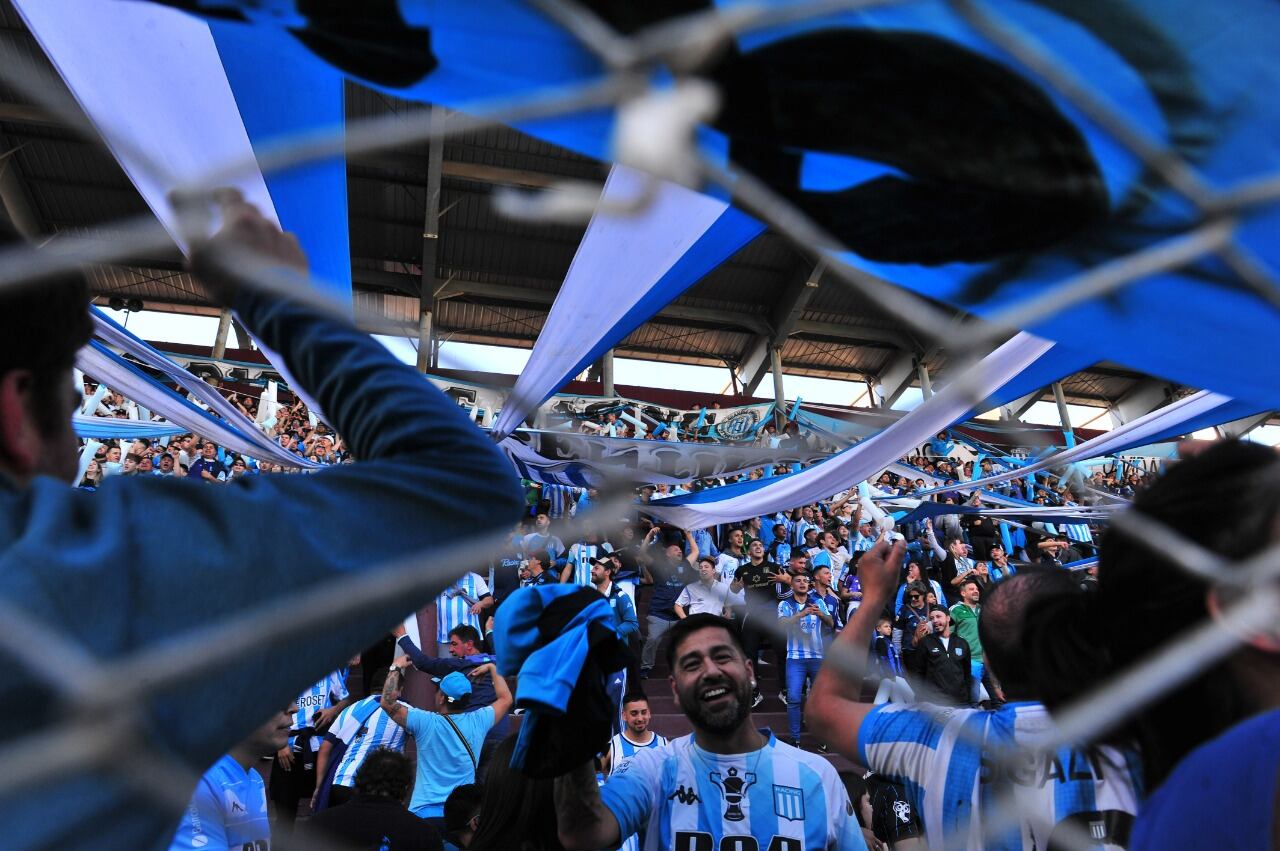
<point x="583" y="822"/>
<point x="836" y="710"/>
<point x="692" y="557"/>
<point x="394" y="708"/>
<point x="932" y="541"/>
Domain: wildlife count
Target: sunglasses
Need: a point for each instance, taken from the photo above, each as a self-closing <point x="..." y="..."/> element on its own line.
<point x="913" y="596"/>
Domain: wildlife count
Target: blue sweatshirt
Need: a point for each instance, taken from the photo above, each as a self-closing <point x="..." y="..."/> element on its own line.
<point x="92" y="566"/>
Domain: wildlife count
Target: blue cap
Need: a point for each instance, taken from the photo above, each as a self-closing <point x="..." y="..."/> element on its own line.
<point x="454" y="685"/>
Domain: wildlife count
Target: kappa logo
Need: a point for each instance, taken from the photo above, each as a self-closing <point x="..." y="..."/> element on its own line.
<point x="685" y="795"/>
<point x="235" y="806"/>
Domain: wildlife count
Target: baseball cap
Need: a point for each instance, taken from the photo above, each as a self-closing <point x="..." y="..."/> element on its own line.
<point x="454" y="685"/>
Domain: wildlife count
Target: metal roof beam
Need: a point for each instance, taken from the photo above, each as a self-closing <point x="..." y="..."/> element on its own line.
<point x="785" y="315"/>
<point x="837" y="331"/>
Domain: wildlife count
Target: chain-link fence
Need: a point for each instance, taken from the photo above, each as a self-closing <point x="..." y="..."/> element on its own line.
<point x="102" y="726"/>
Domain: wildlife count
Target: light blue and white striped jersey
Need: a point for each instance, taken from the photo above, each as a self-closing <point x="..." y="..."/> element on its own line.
<point x="804" y="639"/>
<point x="562" y="499"/>
<point x="778" y="798"/>
<point x="941" y="755"/>
<point x="622" y="749"/>
<point x="799" y="528"/>
<point x="861" y="543"/>
<point x="580" y="557"/>
<point x="321" y="695"/>
<point x="378" y="731"/>
<point x="453" y="606"/>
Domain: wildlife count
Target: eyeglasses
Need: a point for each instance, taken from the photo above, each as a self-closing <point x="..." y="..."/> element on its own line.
<point x="913" y="596"/>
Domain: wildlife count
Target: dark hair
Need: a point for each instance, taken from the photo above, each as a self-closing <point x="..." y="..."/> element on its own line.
<point x="1036" y="657"/>
<point x="543" y="557"/>
<point x="43" y="323"/>
<point x="970" y="581"/>
<point x="1226" y="499"/>
<point x="516" y="811"/>
<point x="384" y="774"/>
<point x="462" y="805"/>
<point x="466" y="632"/>
<point x="634" y="697"/>
<point x="682" y="629"/>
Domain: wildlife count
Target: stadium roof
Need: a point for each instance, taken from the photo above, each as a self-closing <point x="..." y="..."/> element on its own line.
<point x="494" y="279"/>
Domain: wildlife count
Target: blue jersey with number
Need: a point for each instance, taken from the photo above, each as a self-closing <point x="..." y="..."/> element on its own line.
<point x="778" y="798"/>
<point x="941" y="756"/>
<point x="228" y="812"/>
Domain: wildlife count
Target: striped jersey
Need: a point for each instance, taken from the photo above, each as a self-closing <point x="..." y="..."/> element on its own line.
<point x="804" y="639"/>
<point x="562" y="500"/>
<point x="321" y="695"/>
<point x="799" y="528"/>
<point x="580" y="557"/>
<point x="942" y="756"/>
<point x="377" y="731"/>
<point x="622" y="749"/>
<point x="777" y="798"/>
<point x="453" y="606"/>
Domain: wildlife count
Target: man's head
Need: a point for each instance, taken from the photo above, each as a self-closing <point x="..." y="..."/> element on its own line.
<point x="601" y="570"/>
<point x="238" y="467"/>
<point x="145" y="465"/>
<point x="711" y="677"/>
<point x="464" y="640"/>
<point x="811" y="537"/>
<point x="799" y="560"/>
<point x="756" y="551"/>
<point x="800" y="584"/>
<point x="385" y="774"/>
<point x="735" y="539"/>
<point x="453" y="692"/>
<point x="131" y="463"/>
<point x="779" y="531"/>
<point x="166" y="463"/>
<point x="941" y="620"/>
<point x="209" y="451"/>
<point x="538" y="561"/>
<point x="970" y="591"/>
<point x="1007" y="616"/>
<point x="542" y="522"/>
<point x="635" y="713"/>
<point x="462" y="813"/>
<point x="43" y="324"/>
<point x="707" y="569"/>
<point x="822" y="576"/>
<point x="997" y="553"/>
<point x="270" y="737"/>
<point x="113" y="454"/>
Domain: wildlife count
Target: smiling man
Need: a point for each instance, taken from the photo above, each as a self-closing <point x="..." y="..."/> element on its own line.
<point x="725" y="785"/>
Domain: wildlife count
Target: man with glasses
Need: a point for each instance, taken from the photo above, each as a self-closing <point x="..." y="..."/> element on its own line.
<point x="914" y="612"/>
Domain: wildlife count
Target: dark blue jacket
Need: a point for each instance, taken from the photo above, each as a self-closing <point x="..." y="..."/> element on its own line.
<point x="482" y="693"/>
<point x="91" y="566"/>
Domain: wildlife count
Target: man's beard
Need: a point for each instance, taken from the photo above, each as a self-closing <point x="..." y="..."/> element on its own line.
<point x="723" y="720"/>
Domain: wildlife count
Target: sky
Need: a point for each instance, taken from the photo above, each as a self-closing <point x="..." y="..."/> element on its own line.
<point x="157" y="326"/>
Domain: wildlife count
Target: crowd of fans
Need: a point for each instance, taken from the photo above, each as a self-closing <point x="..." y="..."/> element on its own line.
<point x="789" y="581"/>
<point x="977" y="636"/>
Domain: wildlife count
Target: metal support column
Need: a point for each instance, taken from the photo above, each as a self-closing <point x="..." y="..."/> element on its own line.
<point x="1063" y="414"/>
<point x="220" y="340"/>
<point x="779" y="393"/>
<point x="427" y="357"/>
<point x="926" y="387"/>
<point x="606" y="373"/>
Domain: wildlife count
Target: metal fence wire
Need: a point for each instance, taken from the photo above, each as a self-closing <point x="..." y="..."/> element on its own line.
<point x="102" y="726"/>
